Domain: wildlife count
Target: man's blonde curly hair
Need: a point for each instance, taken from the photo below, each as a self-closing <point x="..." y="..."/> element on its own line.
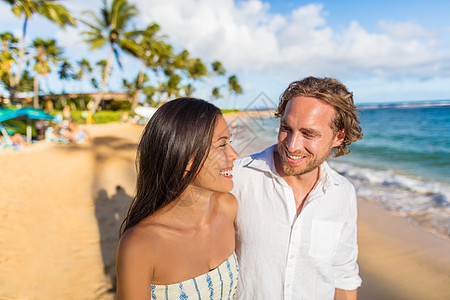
<point x="333" y="92"/>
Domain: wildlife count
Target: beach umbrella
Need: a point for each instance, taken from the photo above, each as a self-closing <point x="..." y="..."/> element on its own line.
<point x="35" y="114"/>
<point x="6" y="114"/>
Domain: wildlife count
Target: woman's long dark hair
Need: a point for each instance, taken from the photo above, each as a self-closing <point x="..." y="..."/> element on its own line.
<point x="179" y="132"/>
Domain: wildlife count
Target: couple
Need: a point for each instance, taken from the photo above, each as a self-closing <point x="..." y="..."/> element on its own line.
<point x="294" y="229"/>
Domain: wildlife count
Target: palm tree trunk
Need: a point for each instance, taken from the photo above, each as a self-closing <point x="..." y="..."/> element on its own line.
<point x="138" y="88"/>
<point x="36" y="92"/>
<point x="99" y="96"/>
<point x="21" y="54"/>
<point x="12" y="89"/>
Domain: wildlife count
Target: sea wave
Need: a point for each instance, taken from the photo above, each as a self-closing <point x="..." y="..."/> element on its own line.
<point x="424" y="202"/>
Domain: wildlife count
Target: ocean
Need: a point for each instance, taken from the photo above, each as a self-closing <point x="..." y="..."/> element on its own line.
<point x="402" y="164"/>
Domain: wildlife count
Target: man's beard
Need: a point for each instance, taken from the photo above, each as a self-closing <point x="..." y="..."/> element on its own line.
<point x="296" y="170"/>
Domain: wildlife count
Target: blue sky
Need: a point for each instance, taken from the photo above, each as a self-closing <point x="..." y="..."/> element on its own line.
<point x="384" y="51"/>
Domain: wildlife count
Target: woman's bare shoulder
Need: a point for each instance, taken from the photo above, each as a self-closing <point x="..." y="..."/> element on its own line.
<point x="137" y="255"/>
<point x="140" y="244"/>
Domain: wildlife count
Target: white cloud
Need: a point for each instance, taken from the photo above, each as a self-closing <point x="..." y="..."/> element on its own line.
<point x="247" y="37"/>
<point x="405" y="30"/>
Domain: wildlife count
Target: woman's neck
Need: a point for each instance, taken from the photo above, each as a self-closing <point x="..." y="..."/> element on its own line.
<point x="192" y="208"/>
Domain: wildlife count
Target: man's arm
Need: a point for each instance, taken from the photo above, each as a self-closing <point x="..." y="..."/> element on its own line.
<point x="344" y="264"/>
<point x="344" y="294"/>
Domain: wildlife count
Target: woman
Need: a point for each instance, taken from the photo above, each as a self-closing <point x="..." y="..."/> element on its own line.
<point x="177" y="240"/>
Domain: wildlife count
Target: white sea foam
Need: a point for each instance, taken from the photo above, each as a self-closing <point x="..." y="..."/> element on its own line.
<point x="425" y="202"/>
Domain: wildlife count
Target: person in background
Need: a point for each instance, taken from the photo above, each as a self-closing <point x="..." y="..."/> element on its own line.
<point x="177" y="240"/>
<point x="296" y="222"/>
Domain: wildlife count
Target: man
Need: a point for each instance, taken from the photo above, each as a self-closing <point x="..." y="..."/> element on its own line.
<point x="296" y="223"/>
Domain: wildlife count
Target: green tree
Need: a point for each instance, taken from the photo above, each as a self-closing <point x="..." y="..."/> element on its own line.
<point x="84" y="68"/>
<point x="193" y="69"/>
<point x="171" y="87"/>
<point x="217" y="70"/>
<point x="151" y="50"/>
<point x="108" y="29"/>
<point x="196" y="70"/>
<point x="8" y="56"/>
<point x="134" y="87"/>
<point x="49" y="9"/>
<point x="66" y="73"/>
<point x="234" y="86"/>
<point x="47" y="53"/>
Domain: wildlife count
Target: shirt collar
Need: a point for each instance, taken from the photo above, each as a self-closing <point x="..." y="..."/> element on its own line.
<point x="264" y="161"/>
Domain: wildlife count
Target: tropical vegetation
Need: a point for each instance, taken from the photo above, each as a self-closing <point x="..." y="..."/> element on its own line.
<point x="164" y="72"/>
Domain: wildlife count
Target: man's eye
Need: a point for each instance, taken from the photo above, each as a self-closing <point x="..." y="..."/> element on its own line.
<point x="284" y="128"/>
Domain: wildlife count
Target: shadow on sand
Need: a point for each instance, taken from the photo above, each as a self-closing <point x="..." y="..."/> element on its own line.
<point x="113" y="165"/>
<point x="110" y="211"/>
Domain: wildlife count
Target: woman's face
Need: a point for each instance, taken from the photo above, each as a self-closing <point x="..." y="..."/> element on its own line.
<point x="216" y="174"/>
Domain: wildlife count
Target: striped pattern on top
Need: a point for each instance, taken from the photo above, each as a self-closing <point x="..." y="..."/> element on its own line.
<point x="219" y="283"/>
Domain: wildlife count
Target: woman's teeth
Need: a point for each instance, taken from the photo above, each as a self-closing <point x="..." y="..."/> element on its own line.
<point x="226" y="172"/>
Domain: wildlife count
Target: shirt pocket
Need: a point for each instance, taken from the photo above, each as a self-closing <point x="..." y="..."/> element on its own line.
<point x="325" y="237"/>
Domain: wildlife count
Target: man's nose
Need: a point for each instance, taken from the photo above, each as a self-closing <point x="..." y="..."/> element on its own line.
<point x="294" y="142"/>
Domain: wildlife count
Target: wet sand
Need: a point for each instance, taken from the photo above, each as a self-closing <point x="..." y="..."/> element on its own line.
<point x="61" y="207"/>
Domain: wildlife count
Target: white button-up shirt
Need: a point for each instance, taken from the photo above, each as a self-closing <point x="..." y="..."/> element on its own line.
<point x="285" y="256"/>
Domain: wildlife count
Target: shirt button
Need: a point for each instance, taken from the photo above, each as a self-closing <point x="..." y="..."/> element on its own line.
<point x="291" y="257"/>
<point x="288" y="285"/>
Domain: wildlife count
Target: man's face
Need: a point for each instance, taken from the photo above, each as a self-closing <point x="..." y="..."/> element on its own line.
<point x="305" y="138"/>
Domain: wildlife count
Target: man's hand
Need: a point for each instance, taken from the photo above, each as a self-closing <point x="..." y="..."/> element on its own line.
<point x="344" y="294"/>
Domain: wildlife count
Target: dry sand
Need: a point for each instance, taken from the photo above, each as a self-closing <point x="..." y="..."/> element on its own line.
<point x="61" y="208"/>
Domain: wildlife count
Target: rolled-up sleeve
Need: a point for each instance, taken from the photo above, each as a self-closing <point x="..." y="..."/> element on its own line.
<point x="345" y="267"/>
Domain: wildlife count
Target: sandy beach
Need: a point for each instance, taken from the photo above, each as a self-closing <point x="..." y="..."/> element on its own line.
<point x="61" y="207"/>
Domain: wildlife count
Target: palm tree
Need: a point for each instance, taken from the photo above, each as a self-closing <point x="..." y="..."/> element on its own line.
<point x="217" y="70"/>
<point x="193" y="68"/>
<point x="134" y="87"/>
<point x="233" y="85"/>
<point x="108" y="29"/>
<point x="84" y="67"/>
<point x="151" y="50"/>
<point x="49" y="9"/>
<point x="46" y="52"/>
<point x="65" y="73"/>
<point x="171" y="87"/>
<point x="8" y="56"/>
<point x="196" y="69"/>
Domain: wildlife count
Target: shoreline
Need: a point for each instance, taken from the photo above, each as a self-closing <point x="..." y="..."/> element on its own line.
<point x="61" y="207"/>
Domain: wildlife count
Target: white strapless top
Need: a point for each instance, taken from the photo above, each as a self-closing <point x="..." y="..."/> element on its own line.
<point x="219" y="283"/>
